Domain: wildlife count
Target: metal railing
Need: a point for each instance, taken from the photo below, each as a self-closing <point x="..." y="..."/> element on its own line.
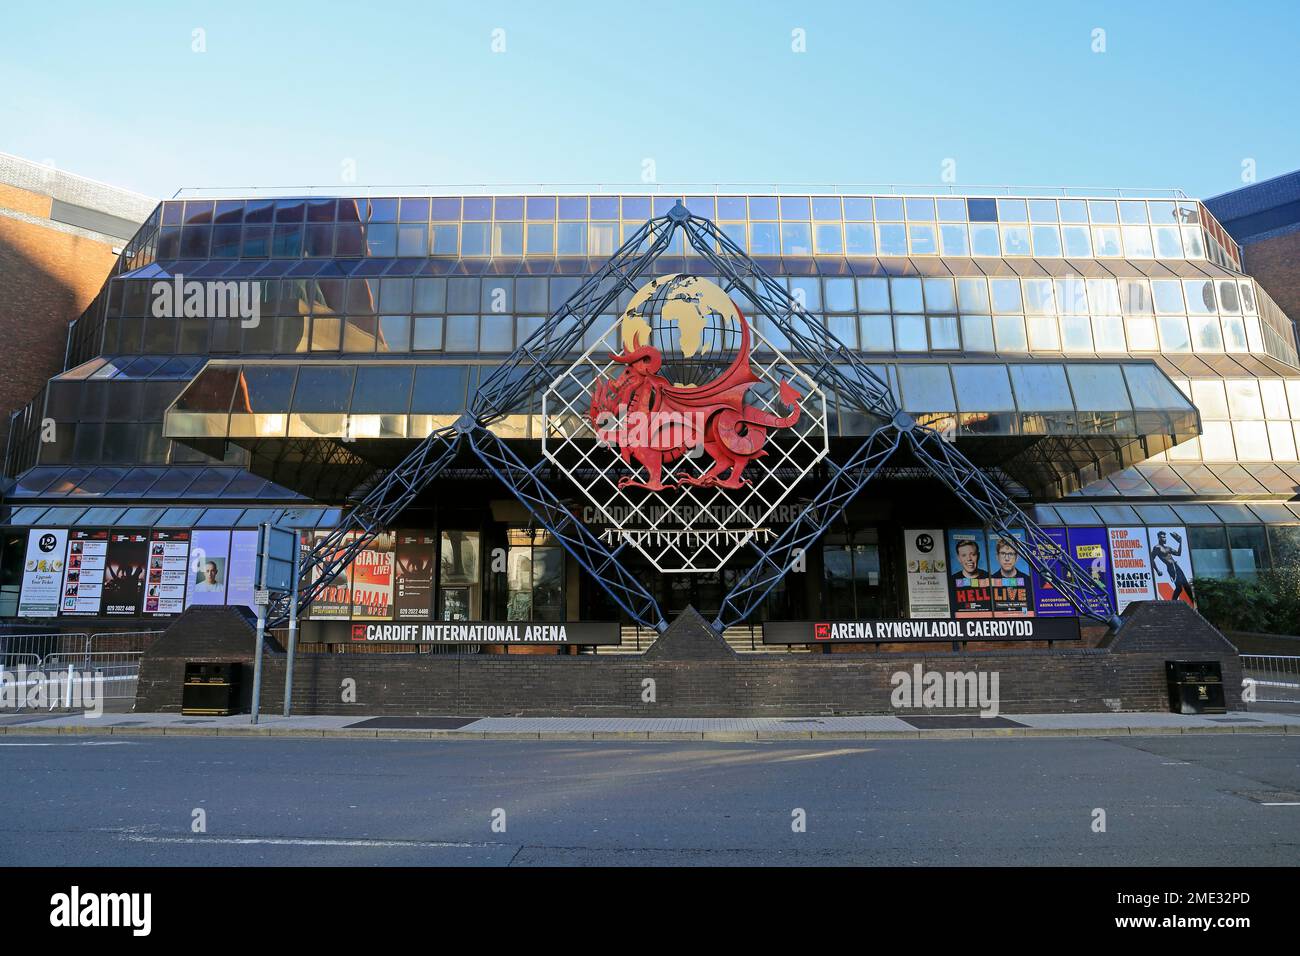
<point x="1276" y="678"/>
<point x="65" y="661"/>
<point x="351" y="190"/>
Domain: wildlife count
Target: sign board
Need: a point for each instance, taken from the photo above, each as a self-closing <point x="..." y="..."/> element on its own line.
<point x="1130" y="560"/>
<point x="912" y="632"/>
<point x="473" y="632"/>
<point x="43" y="572"/>
<point x="927" y="573"/>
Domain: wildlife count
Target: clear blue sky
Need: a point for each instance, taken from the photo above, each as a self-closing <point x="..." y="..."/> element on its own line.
<point x="710" y="90"/>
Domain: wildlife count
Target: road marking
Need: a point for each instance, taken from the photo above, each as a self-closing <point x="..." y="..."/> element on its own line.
<point x="76" y="743"/>
<point x="825" y="753"/>
<point x="1292" y="803"/>
<point x="305" y="841"/>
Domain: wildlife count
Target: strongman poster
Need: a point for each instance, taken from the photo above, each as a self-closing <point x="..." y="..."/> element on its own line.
<point x="1171" y="564"/>
<point x="334" y="602"/>
<point x="927" y="574"/>
<point x="372" y="580"/>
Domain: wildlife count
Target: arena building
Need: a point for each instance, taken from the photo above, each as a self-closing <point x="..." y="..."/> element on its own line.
<point x="854" y="406"/>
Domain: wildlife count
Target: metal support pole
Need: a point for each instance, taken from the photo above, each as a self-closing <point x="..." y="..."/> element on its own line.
<point x="263" y="538"/>
<point x="293" y="626"/>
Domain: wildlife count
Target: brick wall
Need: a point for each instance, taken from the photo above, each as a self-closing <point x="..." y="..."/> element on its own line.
<point x="47" y="278"/>
<point x="1275" y="264"/>
<point x="1127" y="674"/>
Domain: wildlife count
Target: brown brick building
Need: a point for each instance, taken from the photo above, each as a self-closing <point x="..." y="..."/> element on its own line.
<point x="59" y="236"/>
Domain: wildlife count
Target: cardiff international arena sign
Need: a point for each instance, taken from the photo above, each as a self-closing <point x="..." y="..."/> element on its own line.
<point x="485" y="632"/>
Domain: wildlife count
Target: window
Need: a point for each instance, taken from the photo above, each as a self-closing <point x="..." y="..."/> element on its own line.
<point x="1174" y="336"/>
<point x="977" y="333"/>
<point x="852" y="576"/>
<point x="1015" y="241"/>
<point x="873" y="295"/>
<point x="1168" y="296"/>
<point x="534" y="578"/>
<point x="1078" y="241"/>
<point x="906" y="295"/>
<point x="952" y="240"/>
<point x="973" y="295"/>
<point x="839" y="295"/>
<point x="909" y="333"/>
<point x="984" y="240"/>
<point x="1006" y="295"/>
<point x="1209" y="550"/>
<point x="1200" y="296"/>
<point x="921" y="239"/>
<point x="939" y="296"/>
<point x="1047" y="241"/>
<point x="1105" y="241"/>
<point x="892" y="239"/>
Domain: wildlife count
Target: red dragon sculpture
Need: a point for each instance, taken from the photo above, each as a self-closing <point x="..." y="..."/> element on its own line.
<point x="654" y="422"/>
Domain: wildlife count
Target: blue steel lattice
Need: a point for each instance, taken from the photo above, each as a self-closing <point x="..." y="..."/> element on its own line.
<point x="826" y="359"/>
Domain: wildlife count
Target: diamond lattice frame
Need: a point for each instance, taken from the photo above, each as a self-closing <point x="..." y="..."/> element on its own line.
<point x="710" y="524"/>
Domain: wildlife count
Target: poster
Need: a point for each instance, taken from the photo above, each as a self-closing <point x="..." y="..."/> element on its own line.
<point x="169" y="562"/>
<point x="1130" y="560"/>
<point x="1048" y="601"/>
<point x="43" y="572"/>
<point x="927" y="574"/>
<point x="243" y="567"/>
<point x="209" y="567"/>
<point x="124" y="573"/>
<point x="1171" y="564"/>
<point x="1089" y="547"/>
<point x="413" y="588"/>
<point x="1010" y="576"/>
<point x="969" y="581"/>
<point x="334" y="601"/>
<point x="83" y="571"/>
<point x="372" y="580"/>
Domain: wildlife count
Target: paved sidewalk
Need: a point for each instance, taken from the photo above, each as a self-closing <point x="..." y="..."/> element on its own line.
<point x="659" y="728"/>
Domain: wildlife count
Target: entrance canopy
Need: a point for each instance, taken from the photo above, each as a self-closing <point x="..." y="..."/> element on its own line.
<point x="323" y="428"/>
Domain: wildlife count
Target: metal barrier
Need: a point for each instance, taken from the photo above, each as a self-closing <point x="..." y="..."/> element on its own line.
<point x="1276" y="678"/>
<point x="64" y="663"/>
<point x="119" y="670"/>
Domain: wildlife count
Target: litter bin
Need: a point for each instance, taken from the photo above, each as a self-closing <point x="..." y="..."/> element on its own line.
<point x="1195" y="687"/>
<point x="210" y="689"/>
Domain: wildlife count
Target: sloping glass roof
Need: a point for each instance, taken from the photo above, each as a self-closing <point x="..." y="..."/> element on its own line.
<point x="146" y="482"/>
<point x="136" y="368"/>
<point x="927" y="266"/>
<point x="30" y="516"/>
<point x="237" y="400"/>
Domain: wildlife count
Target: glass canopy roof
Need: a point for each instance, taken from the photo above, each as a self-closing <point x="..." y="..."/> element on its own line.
<point x="1053" y="426"/>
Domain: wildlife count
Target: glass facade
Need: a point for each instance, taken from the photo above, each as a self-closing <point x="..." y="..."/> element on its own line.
<point x="256" y="354"/>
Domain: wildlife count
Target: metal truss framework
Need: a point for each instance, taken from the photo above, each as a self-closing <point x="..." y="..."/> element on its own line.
<point x="515" y="385"/>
